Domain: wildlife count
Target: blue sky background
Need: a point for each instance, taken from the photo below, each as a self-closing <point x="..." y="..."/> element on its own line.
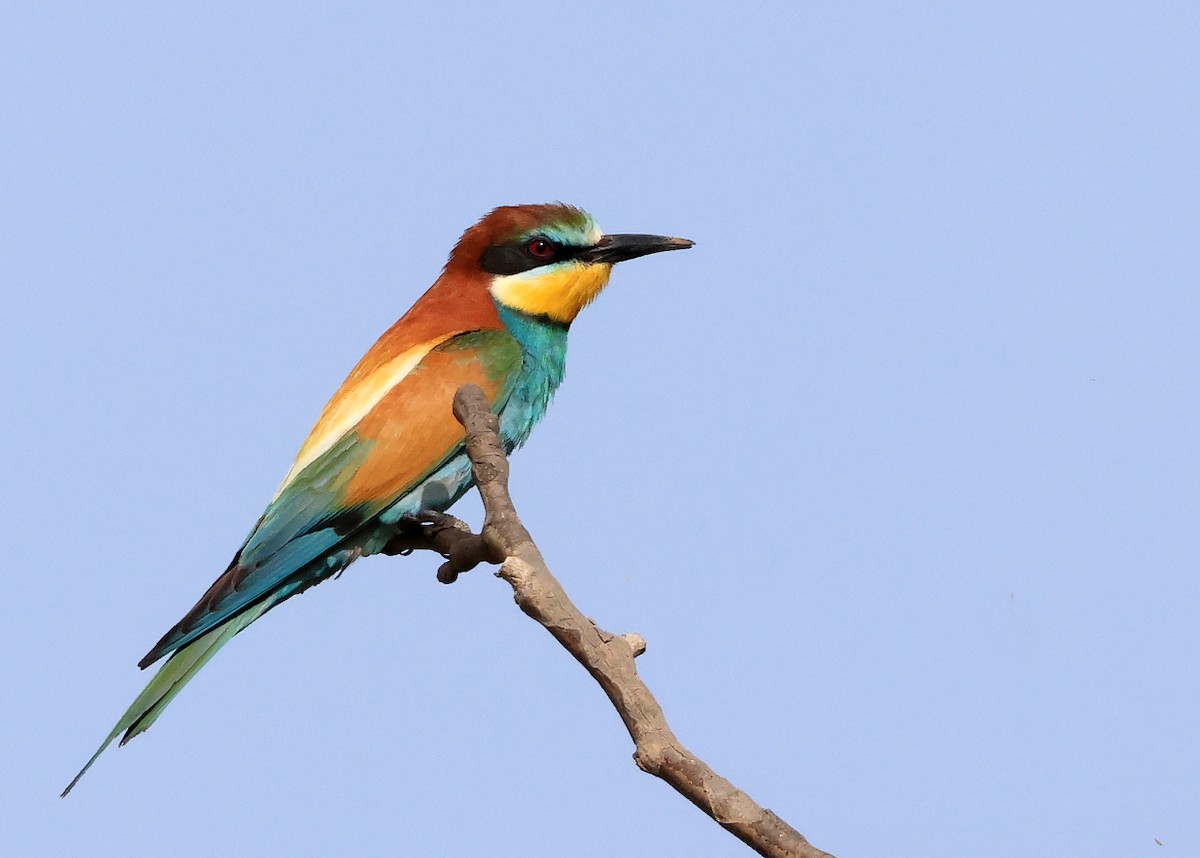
<point x="896" y="471"/>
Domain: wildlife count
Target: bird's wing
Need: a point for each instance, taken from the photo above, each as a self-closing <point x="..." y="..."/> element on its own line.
<point x="376" y="441"/>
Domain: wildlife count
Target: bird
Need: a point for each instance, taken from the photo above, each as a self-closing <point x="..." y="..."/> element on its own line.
<point x="386" y="446"/>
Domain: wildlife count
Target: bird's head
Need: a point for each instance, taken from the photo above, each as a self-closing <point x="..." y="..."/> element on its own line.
<point x="548" y="260"/>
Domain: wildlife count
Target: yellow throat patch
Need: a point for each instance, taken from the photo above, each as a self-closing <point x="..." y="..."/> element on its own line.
<point x="558" y="292"/>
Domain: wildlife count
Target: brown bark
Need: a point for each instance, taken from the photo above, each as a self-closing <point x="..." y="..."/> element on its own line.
<point x="608" y="658"/>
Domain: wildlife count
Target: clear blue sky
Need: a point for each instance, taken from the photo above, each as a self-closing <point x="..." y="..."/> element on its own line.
<point x="896" y="471"/>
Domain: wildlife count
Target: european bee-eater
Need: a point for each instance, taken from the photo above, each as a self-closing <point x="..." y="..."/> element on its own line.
<point x="386" y="445"/>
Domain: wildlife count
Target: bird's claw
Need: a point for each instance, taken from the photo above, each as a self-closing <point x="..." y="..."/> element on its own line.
<point x="450" y="537"/>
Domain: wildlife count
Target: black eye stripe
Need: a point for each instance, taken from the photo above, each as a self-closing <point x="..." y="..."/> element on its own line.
<point x="515" y="258"/>
<point x="505" y="259"/>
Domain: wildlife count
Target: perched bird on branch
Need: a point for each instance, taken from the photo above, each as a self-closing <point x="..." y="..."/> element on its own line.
<point x="387" y="446"/>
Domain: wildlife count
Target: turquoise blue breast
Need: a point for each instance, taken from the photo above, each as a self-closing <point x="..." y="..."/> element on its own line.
<point x="544" y="357"/>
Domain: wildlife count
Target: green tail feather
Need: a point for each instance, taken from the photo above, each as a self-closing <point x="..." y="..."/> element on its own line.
<point x="169" y="681"/>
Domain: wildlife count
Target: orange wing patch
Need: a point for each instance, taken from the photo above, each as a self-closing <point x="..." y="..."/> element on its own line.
<point x="353" y="401"/>
<point x="412" y="425"/>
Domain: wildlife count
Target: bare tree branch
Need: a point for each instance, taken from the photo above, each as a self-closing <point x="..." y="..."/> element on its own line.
<point x="608" y="658"/>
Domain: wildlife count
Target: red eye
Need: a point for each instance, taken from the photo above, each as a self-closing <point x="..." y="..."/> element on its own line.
<point x="540" y="248"/>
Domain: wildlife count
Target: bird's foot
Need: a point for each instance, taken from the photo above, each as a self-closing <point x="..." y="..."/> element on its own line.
<point x="450" y="537"/>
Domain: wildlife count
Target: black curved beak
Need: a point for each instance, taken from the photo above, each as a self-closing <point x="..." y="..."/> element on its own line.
<point x="617" y="248"/>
